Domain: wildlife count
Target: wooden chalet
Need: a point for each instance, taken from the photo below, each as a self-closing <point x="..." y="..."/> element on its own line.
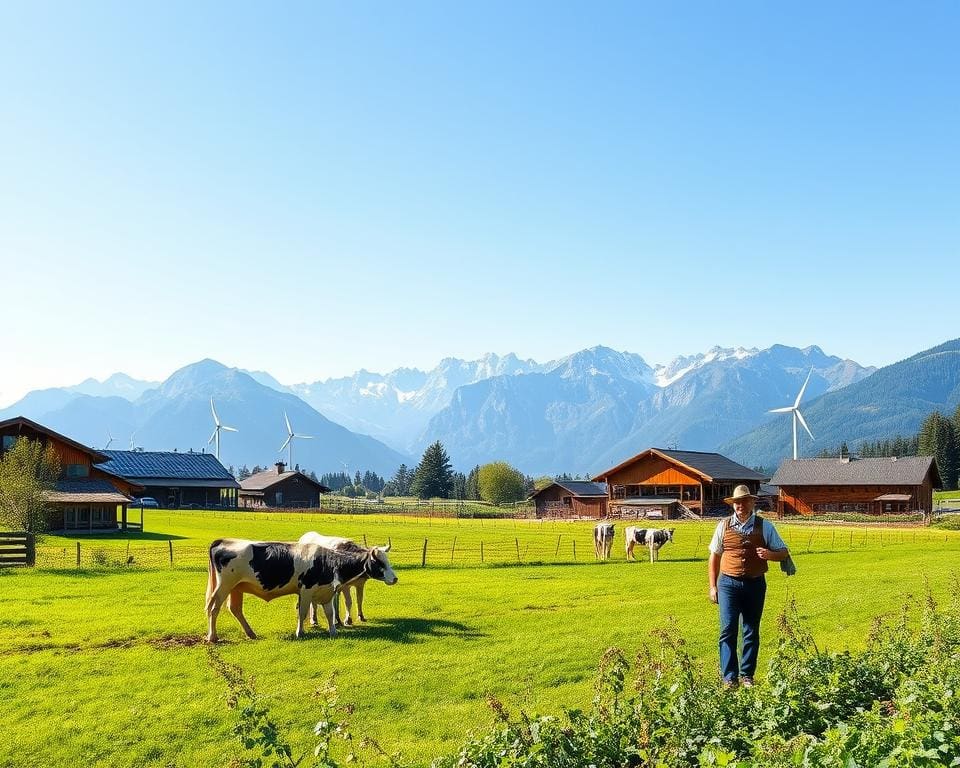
<point x="852" y="485"/>
<point x="280" y="488"/>
<point x="176" y="480"/>
<point x="86" y="497"/>
<point x="571" y="498"/>
<point x="661" y="483"/>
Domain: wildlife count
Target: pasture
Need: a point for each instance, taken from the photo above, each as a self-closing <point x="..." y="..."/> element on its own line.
<point x="102" y="664"/>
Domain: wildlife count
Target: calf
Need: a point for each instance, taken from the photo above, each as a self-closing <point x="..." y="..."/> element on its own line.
<point x="603" y="540"/>
<point x="654" y="538"/>
<point x="270" y="569"/>
<point x="340" y="544"/>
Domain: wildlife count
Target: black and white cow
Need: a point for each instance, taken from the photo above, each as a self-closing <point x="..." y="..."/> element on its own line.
<point x="339" y="543"/>
<point x="270" y="569"/>
<point x="654" y="538"/>
<point x="603" y="540"/>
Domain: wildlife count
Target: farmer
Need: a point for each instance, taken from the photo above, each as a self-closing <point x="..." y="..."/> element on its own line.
<point x="741" y="547"/>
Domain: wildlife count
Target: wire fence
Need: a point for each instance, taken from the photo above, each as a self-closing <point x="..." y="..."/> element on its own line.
<point x="477" y="547"/>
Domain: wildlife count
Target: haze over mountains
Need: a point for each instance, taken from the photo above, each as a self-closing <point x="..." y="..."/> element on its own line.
<point x="581" y="413"/>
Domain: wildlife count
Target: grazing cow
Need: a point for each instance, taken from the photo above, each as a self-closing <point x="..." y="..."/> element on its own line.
<point x="269" y="569"/>
<point x="654" y="538"/>
<point x="603" y="540"/>
<point x="339" y="543"/>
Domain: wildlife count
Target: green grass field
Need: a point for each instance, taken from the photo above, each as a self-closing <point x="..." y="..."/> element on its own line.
<point x="103" y="664"/>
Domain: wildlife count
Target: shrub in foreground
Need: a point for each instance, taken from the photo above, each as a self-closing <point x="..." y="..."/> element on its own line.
<point x="894" y="704"/>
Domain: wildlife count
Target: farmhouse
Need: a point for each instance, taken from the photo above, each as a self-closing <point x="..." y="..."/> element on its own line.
<point x="865" y="486"/>
<point x="279" y="488"/>
<point x="86" y="497"/>
<point x="175" y="480"/>
<point x="571" y="498"/>
<point x="667" y="483"/>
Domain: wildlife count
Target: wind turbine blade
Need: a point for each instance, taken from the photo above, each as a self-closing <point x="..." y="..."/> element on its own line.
<point x="212" y="437"/>
<point x="285" y="444"/>
<point x="305" y="437"/>
<point x="782" y="410"/>
<point x="803" y="389"/>
<point x="216" y="419"/>
<point x="800" y="416"/>
<point x="289" y="428"/>
<point x="230" y="429"/>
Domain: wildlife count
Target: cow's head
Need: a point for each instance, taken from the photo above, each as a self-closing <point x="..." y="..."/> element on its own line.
<point x="378" y="565"/>
<point x="670" y="533"/>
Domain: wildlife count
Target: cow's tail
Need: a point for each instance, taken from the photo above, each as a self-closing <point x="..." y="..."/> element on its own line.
<point x="212" y="575"/>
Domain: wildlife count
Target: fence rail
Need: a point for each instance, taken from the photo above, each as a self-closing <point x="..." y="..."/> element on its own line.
<point x="17" y="548"/>
<point x="502" y="545"/>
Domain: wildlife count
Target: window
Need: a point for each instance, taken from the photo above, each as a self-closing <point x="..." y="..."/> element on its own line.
<point x="77" y="470"/>
<point x="831" y="507"/>
<point x="854" y="507"/>
<point x="8" y="441"/>
<point x="278" y="498"/>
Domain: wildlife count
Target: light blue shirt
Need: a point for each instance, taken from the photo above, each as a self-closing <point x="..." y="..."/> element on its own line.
<point x="771" y="538"/>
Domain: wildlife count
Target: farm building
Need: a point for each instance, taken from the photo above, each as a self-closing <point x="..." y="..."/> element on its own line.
<point x="852" y="485"/>
<point x="571" y="498"/>
<point x="175" y="480"/>
<point x="280" y="488"/>
<point x="86" y="497"/>
<point x="667" y="483"/>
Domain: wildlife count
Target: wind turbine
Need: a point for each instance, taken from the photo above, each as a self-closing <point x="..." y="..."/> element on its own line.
<point x="109" y="440"/>
<point x="797" y="416"/>
<point x="216" y="431"/>
<point x="133" y="444"/>
<point x="288" y="443"/>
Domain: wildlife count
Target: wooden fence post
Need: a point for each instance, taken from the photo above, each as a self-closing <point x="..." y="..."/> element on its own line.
<point x="31" y="549"/>
<point x="364" y="539"/>
<point x="78" y="554"/>
<point x="517" y="542"/>
<point x="557" y="552"/>
<point x="574" y="549"/>
<point x="423" y="560"/>
<point x="453" y="548"/>
<point x="170" y="545"/>
<point x="481" y="551"/>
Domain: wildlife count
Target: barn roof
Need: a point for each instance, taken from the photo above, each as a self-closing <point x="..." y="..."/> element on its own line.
<point x="23" y="421"/>
<point x="905" y="470"/>
<point x="270" y="477"/>
<point x="711" y="466"/>
<point x="167" y="465"/>
<point x="86" y="491"/>
<point x="580" y="488"/>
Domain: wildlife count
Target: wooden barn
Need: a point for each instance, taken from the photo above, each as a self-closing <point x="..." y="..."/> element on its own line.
<point x="865" y="486"/>
<point x="176" y="480"/>
<point x="661" y="483"/>
<point x="86" y="498"/>
<point x="279" y="488"/>
<point x="571" y="498"/>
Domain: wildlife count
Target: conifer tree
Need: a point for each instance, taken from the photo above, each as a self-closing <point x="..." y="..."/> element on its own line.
<point x="434" y="475"/>
<point x="937" y="439"/>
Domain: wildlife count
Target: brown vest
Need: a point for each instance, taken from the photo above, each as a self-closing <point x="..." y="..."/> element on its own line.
<point x="739" y="557"/>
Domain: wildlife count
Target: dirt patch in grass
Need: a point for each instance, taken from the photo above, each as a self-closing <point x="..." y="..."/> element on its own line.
<point x="172" y="642"/>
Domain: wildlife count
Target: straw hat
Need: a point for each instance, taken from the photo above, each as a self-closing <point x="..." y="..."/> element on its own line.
<point x="740" y="492"/>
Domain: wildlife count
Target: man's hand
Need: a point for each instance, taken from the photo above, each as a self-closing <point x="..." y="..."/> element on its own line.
<point x="713" y="594"/>
<point x="763" y="553"/>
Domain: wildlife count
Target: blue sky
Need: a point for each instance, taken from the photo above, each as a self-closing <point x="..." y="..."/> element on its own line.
<point x="314" y="188"/>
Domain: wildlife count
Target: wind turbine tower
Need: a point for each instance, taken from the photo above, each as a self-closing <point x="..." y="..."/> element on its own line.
<point x="288" y="443"/>
<point x="797" y="416"/>
<point x="217" y="428"/>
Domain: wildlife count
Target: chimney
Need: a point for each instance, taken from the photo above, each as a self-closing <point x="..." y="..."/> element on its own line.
<point x="280" y="467"/>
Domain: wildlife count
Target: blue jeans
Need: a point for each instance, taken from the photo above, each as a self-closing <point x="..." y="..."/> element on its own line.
<point x="740" y="598"/>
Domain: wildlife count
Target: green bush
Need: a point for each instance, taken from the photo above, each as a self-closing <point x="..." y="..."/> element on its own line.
<point x="896" y="703"/>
